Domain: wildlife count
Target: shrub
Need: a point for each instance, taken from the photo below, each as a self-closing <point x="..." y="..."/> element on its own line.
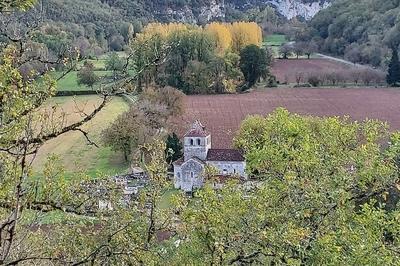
<point x="314" y="79"/>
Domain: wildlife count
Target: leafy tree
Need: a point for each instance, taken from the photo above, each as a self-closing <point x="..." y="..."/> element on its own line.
<point x="393" y="76"/>
<point x="146" y="47"/>
<point x="222" y="35"/>
<point x="116" y="43"/>
<point x="27" y="200"/>
<point x="315" y="177"/>
<point x="245" y="34"/>
<point x="225" y="72"/>
<point x="144" y="122"/>
<point x="115" y="64"/>
<point x="193" y="49"/>
<point x="353" y="53"/>
<point x="168" y="96"/>
<point x="310" y="48"/>
<point x="7" y="5"/>
<point x="126" y="133"/>
<point x="87" y="76"/>
<point x="253" y="63"/>
<point x="299" y="49"/>
<point x="83" y="46"/>
<point x="196" y="78"/>
<point x="174" y="148"/>
<point x="286" y="50"/>
<point x="365" y="23"/>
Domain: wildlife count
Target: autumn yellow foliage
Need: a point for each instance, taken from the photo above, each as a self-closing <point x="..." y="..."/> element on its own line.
<point x="228" y="36"/>
<point x="221" y="34"/>
<point x="245" y="33"/>
<point x="164" y="29"/>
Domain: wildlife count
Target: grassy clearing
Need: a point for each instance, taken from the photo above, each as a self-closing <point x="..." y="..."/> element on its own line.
<point x="98" y="64"/>
<point x="72" y="148"/>
<point x="275" y="40"/>
<point x="70" y="81"/>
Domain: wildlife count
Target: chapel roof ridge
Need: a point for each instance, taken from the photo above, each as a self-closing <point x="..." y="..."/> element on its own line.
<point x="197" y="130"/>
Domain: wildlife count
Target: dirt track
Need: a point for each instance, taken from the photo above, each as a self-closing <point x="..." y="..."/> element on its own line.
<point x="222" y="114"/>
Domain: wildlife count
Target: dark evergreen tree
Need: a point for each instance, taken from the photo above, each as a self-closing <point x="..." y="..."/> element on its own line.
<point x="393" y="76"/>
<point x="253" y="64"/>
<point x="174" y="148"/>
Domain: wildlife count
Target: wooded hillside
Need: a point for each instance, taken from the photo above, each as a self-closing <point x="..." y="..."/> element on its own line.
<point x="362" y="31"/>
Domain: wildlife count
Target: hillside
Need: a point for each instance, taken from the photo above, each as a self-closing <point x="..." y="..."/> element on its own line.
<point x="361" y="31"/>
<point x="98" y="26"/>
<point x="193" y="11"/>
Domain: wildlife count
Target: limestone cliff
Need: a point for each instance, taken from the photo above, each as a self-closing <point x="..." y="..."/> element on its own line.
<point x="207" y="10"/>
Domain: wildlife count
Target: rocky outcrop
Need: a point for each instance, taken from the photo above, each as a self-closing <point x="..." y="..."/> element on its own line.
<point x="213" y="10"/>
<point x="291" y="8"/>
<point x="209" y="10"/>
<point x="287" y="8"/>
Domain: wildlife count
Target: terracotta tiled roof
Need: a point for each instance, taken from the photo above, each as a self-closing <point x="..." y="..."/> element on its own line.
<point x="197" y="130"/>
<point x="225" y="155"/>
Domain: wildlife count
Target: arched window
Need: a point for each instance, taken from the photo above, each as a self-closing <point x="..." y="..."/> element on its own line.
<point x="198" y="142"/>
<point x="191" y="142"/>
<point x="191" y="174"/>
<point x="179" y="175"/>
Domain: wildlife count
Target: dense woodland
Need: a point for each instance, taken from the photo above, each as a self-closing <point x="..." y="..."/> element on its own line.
<point x="98" y="26"/>
<point x="362" y="31"/>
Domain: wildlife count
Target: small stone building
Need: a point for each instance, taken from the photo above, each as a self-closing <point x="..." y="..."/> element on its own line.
<point x="188" y="171"/>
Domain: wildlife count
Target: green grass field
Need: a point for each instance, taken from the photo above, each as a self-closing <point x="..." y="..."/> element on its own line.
<point x="73" y="149"/>
<point x="274" y="40"/>
<point x="98" y="64"/>
<point x="70" y="81"/>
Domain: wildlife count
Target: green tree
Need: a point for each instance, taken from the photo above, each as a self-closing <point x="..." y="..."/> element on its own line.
<point x="27" y="200"/>
<point x="126" y="133"/>
<point x="286" y="50"/>
<point x="87" y="76"/>
<point x="115" y="64"/>
<point x="393" y="76"/>
<point x="145" y="121"/>
<point x="196" y="78"/>
<point x="10" y="5"/>
<point x="174" y="149"/>
<point x="253" y="64"/>
<point x="315" y="202"/>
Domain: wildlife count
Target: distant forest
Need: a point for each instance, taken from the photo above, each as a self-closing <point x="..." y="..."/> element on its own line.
<point x="362" y="31"/>
<point x="96" y="27"/>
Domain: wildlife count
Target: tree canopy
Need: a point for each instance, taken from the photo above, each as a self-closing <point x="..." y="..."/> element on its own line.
<point x="393" y="76"/>
<point x="370" y="26"/>
<point x="253" y="63"/>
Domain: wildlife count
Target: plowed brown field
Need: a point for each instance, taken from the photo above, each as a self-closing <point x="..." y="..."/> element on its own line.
<point x="222" y="114"/>
<point x="285" y="69"/>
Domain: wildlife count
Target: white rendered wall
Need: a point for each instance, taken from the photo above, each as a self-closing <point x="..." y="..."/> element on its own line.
<point x="232" y="168"/>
